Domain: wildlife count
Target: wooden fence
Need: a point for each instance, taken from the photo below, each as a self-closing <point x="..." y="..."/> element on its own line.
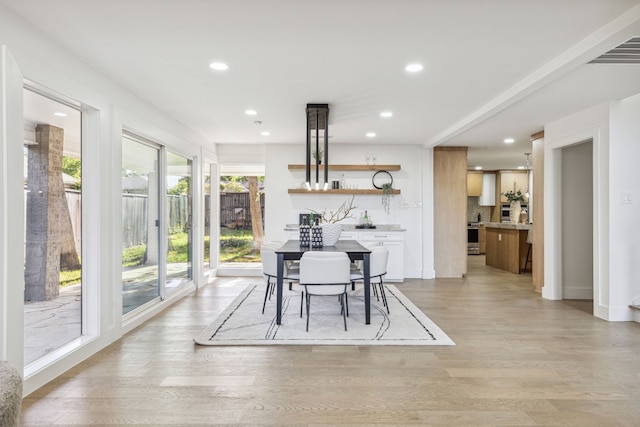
<point x="235" y="210"/>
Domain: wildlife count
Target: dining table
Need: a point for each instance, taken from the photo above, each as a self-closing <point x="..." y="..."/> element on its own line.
<point x="292" y="251"/>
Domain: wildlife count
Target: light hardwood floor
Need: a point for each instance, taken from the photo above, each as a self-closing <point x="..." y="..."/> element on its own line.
<point x="519" y="361"/>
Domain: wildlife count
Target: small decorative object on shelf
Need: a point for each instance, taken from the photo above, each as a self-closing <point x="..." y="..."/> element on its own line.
<point x="317" y="155"/>
<point x="382" y="180"/>
<point x="387" y="192"/>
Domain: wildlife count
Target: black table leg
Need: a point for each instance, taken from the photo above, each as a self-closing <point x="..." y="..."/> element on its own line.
<point x="367" y="289"/>
<point x="279" y="288"/>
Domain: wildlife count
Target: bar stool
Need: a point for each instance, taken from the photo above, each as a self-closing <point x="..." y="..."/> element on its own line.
<point x="529" y="259"/>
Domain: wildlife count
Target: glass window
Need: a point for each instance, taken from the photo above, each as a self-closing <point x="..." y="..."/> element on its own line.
<point x="53" y="227"/>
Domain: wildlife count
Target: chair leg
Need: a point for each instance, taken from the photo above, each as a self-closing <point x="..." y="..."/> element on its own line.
<point x="344" y="312"/>
<point x="384" y="296"/>
<point x="301" y="302"/>
<point x="346" y="302"/>
<point x="266" y="293"/>
<point x="527" y="259"/>
<point x="308" y="301"/>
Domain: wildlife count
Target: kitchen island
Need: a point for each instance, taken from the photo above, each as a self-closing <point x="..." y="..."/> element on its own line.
<point x="507" y="245"/>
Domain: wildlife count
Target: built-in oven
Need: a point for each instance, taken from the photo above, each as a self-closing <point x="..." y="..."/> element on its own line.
<point x="505" y="211"/>
<point x="473" y="239"/>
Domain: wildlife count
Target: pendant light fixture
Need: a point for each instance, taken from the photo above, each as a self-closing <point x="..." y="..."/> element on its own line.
<point x="317" y="121"/>
<point x="528" y="193"/>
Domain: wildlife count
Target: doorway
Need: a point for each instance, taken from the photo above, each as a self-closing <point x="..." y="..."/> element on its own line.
<point x="576" y="216"/>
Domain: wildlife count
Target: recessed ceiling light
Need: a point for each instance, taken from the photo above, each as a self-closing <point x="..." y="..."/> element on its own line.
<point x="414" y="68"/>
<point x="520" y="167"/>
<point x="509" y="141"/>
<point x="60" y="114"/>
<point x="219" y="66"/>
<point x="386" y="114"/>
<point x="371" y="134"/>
<point x="251" y="112"/>
<point x="265" y="133"/>
<point x="478" y="168"/>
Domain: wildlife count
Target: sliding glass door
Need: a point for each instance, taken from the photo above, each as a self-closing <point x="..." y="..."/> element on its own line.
<point x="179" y="219"/>
<point x="140" y="223"/>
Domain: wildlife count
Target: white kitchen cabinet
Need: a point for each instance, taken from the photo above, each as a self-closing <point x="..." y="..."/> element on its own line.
<point x="488" y="196"/>
<point x="349" y="235"/>
<point x="394" y="242"/>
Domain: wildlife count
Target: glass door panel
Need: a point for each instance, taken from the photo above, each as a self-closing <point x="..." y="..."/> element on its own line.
<point x="207" y="216"/>
<point x="179" y="208"/>
<point x="140" y="219"/>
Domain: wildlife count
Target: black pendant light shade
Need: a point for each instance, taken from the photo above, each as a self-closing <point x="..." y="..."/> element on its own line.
<point x="317" y="120"/>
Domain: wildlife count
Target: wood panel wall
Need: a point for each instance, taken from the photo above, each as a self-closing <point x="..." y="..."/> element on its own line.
<point x="537" y="273"/>
<point x="450" y="211"/>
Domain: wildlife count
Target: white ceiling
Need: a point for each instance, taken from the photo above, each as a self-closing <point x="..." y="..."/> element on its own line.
<point x="492" y="68"/>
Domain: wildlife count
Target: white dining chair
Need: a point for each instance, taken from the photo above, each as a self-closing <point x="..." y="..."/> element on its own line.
<point x="378" y="260"/>
<point x="270" y="271"/>
<point x="323" y="274"/>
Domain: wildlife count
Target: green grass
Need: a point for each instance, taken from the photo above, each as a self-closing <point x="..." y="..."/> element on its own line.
<point x="178" y="248"/>
<point x="133" y="256"/>
<point x="70" y="277"/>
<point x="236" y="245"/>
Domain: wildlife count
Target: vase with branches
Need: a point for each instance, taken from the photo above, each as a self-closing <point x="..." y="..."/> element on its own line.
<point x="330" y="230"/>
<point x="331" y="216"/>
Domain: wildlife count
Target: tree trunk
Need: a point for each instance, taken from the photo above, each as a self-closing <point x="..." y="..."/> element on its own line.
<point x="256" y="212"/>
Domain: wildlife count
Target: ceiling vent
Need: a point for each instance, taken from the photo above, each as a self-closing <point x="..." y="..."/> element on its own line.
<point x="627" y="53"/>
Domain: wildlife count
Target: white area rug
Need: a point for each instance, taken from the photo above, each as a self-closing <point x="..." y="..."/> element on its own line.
<point x="242" y="323"/>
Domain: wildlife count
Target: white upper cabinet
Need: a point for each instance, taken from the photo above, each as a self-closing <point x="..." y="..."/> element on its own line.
<point x="488" y="196"/>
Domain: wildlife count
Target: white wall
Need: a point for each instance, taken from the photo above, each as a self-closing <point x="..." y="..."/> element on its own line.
<point x="282" y="208"/>
<point x="615" y="130"/>
<point x="114" y="108"/>
<point x="624" y="233"/>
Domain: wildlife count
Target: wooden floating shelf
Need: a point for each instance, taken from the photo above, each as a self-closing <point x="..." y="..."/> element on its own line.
<point x="350" y="167"/>
<point x="340" y="191"/>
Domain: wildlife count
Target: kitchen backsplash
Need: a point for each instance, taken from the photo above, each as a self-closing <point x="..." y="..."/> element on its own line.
<point x="473" y="209"/>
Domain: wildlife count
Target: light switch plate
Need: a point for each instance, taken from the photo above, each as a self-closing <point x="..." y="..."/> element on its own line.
<point x="625" y="198"/>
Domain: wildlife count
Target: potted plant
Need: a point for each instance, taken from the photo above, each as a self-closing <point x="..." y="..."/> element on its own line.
<point x="318" y="155"/>
<point x="515" y="198"/>
<point x="387" y="192"/>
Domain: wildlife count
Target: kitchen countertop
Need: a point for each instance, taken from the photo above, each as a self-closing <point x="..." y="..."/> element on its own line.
<point x="507" y="226"/>
<point x="352" y="227"/>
